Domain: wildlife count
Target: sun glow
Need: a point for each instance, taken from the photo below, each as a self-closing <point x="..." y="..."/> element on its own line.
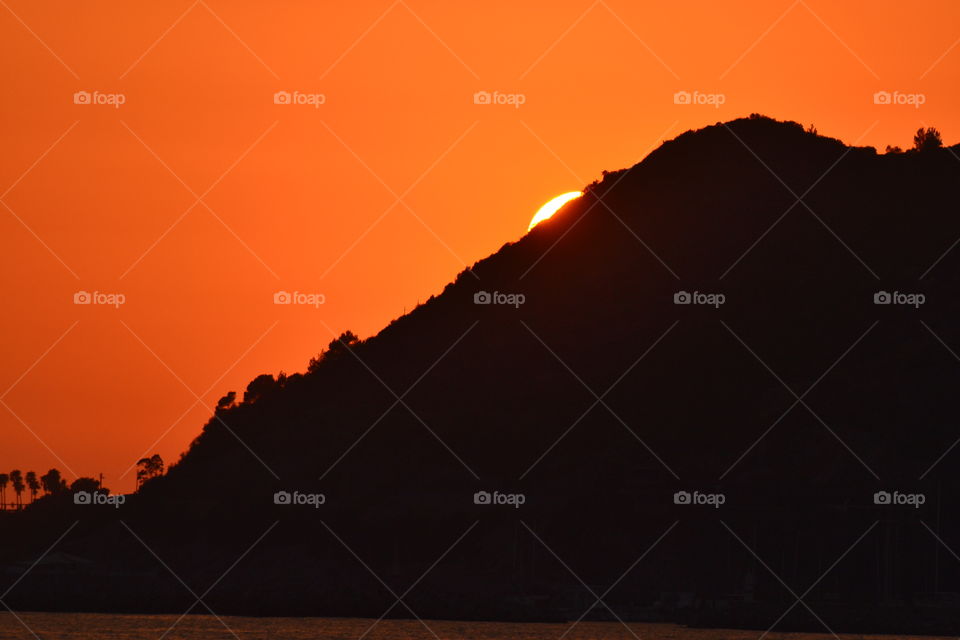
<point x="552" y="207"/>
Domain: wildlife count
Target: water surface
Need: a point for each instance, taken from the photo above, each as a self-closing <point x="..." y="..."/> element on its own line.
<point x="89" y="626"/>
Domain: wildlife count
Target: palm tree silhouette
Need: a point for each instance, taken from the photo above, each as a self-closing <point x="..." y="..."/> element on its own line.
<point x="33" y="485"/>
<point x="16" y="479"/>
<point x="4" y="479"/>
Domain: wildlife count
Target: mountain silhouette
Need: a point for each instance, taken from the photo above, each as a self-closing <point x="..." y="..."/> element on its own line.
<point x="753" y="311"/>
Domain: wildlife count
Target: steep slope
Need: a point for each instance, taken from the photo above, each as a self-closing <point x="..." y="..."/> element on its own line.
<point x="597" y="399"/>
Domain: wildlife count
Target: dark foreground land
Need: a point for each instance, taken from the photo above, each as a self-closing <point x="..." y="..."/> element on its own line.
<point x="782" y="411"/>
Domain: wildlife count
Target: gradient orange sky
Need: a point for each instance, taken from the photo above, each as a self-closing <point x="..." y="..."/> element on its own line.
<point x="199" y="197"/>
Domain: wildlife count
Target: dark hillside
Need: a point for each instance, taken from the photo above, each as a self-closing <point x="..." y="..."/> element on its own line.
<point x="693" y="397"/>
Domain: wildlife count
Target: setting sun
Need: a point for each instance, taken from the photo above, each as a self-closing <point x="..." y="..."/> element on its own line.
<point x="551" y="207"/>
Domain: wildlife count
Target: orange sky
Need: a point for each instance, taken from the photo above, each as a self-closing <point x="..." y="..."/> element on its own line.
<point x="298" y="196"/>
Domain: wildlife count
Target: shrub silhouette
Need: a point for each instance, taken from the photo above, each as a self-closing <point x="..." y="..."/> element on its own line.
<point x="89" y="485"/>
<point x="337" y="347"/>
<point x="227" y="401"/>
<point x="258" y="387"/>
<point x="52" y="482"/>
<point x="927" y="139"/>
<point x="149" y="468"/>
